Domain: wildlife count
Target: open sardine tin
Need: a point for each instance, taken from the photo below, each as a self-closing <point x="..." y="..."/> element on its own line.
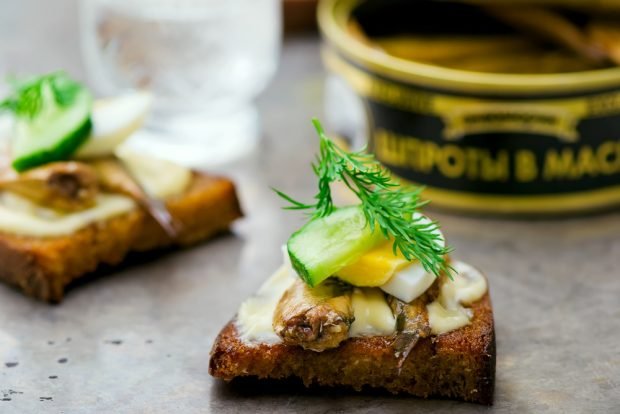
<point x="480" y="142"/>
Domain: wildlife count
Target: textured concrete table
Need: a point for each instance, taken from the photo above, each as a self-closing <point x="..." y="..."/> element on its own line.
<point x="139" y="340"/>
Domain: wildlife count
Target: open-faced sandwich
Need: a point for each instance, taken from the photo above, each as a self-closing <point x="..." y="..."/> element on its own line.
<point x="367" y="297"/>
<point x="74" y="196"/>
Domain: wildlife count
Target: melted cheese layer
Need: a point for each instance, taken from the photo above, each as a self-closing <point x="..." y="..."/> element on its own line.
<point x="373" y="315"/>
<point x="255" y="316"/>
<point x="160" y="178"/>
<point x="447" y="312"/>
<point x="20" y="216"/>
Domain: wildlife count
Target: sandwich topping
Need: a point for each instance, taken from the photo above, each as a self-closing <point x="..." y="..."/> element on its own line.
<point x="380" y="268"/>
<point x="289" y="311"/>
<point x="372" y="313"/>
<point x="69" y="165"/>
<point x="448" y="311"/>
<point x="18" y="215"/>
<point x="316" y="318"/>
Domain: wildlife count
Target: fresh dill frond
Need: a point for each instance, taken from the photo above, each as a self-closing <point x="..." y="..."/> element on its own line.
<point x="29" y="95"/>
<point x="387" y="205"/>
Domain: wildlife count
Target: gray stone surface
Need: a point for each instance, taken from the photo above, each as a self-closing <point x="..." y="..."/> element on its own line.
<point x="139" y="340"/>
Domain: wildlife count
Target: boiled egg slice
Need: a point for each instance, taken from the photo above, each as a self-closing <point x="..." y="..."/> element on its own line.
<point x="374" y="268"/>
<point x="114" y="120"/>
<point x="379" y="266"/>
<point x="409" y="283"/>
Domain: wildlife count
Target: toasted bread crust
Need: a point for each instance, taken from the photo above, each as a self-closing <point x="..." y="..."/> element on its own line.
<point x="43" y="267"/>
<point x="458" y="365"/>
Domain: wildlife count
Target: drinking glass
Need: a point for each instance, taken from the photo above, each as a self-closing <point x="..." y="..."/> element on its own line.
<point x="204" y="60"/>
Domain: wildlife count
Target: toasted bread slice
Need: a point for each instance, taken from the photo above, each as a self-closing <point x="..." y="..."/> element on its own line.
<point x="43" y="267"/>
<point x="458" y="364"/>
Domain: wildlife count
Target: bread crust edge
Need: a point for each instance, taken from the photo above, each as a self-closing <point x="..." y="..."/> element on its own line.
<point x="43" y="267"/>
<point x="457" y="365"/>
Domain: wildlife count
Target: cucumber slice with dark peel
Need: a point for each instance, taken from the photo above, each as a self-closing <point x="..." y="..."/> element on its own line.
<point x="54" y="134"/>
<point x="52" y="118"/>
<point x="327" y="244"/>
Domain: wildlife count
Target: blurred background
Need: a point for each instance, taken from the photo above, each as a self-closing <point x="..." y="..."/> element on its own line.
<point x="507" y="111"/>
<point x="510" y="108"/>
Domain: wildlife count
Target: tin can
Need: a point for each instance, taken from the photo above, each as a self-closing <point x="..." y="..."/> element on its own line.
<point x="532" y="144"/>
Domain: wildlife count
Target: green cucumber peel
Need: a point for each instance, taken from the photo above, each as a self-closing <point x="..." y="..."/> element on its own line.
<point x="52" y="119"/>
<point x="327" y="244"/>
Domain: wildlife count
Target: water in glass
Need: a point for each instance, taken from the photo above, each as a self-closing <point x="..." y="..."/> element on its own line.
<point x="204" y="60"/>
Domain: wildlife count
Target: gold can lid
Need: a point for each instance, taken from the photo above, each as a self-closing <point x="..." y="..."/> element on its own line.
<point x="584" y="5"/>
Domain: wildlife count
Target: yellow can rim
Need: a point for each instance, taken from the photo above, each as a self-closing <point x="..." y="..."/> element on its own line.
<point x="547" y="204"/>
<point x="333" y="16"/>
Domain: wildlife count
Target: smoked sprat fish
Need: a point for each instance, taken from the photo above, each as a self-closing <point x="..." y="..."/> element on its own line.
<point x="67" y="186"/>
<point x="314" y="318"/>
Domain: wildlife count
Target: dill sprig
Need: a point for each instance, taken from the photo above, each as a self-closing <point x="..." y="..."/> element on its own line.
<point x="28" y="96"/>
<point x="390" y="206"/>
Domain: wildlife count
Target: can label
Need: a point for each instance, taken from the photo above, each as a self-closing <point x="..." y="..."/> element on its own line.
<point x="523" y="153"/>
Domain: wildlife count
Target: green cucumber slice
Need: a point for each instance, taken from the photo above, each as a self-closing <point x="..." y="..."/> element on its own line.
<point x="54" y="134"/>
<point x="327" y="244"/>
